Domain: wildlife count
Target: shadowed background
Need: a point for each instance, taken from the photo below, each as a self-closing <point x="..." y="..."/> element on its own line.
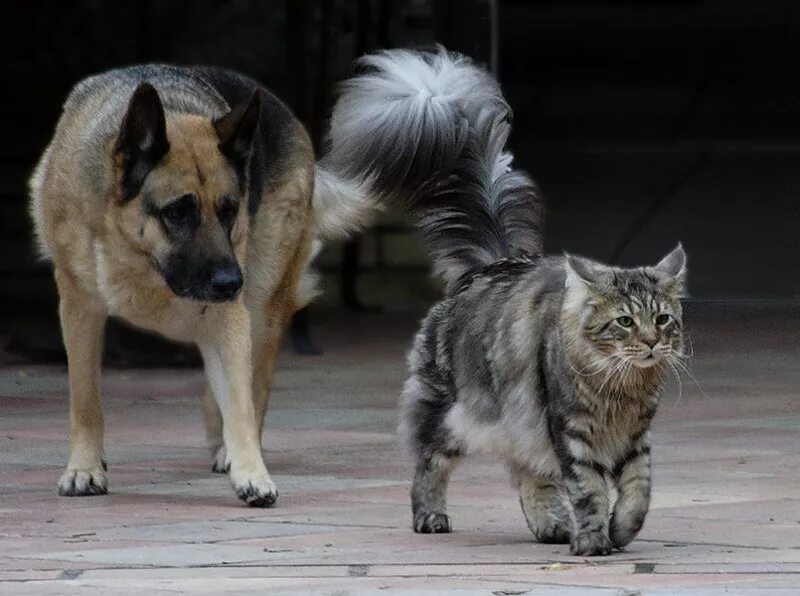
<point x="644" y="123"/>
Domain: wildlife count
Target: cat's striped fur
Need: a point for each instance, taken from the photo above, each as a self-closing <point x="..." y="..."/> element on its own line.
<point x="554" y="364"/>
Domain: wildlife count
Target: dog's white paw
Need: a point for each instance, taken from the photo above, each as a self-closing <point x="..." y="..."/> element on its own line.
<point x="257" y="490"/>
<point x="220" y="462"/>
<point x="81" y="482"/>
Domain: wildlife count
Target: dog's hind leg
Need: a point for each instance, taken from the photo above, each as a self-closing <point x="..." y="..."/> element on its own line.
<point x="219" y="455"/>
<point x="82" y="325"/>
<point x="263" y="367"/>
<point x="268" y="333"/>
<point x="226" y="348"/>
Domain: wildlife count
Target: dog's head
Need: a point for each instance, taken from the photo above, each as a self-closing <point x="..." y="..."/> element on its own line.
<point x="181" y="193"/>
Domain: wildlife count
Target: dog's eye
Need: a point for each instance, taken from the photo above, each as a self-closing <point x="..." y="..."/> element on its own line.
<point x="227" y="210"/>
<point x="625" y="321"/>
<point x="662" y="319"/>
<point x="179" y="211"/>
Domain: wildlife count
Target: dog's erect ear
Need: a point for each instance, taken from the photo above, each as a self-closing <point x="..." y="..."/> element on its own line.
<point x="142" y="141"/>
<point x="236" y="131"/>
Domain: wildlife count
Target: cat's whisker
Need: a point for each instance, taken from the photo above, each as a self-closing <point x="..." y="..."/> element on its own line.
<point x="613" y="370"/>
<point x="685" y="368"/>
<point x="609" y="372"/>
<point x="678" y="378"/>
<point x="599" y="366"/>
<point x="620" y="375"/>
<point x="687" y="340"/>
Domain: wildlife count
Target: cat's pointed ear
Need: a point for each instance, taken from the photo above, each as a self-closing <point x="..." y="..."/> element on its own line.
<point x="673" y="268"/>
<point x="585" y="280"/>
<point x="674" y="264"/>
<point x="585" y="272"/>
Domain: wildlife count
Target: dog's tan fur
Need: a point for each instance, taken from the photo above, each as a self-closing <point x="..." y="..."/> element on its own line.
<point x="103" y="249"/>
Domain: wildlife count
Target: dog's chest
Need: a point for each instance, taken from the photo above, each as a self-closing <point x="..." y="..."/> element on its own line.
<point x="175" y="319"/>
<point x="141" y="298"/>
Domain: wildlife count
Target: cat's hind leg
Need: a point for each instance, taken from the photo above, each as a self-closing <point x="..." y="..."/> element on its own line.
<point x="435" y="451"/>
<point x="544" y="509"/>
<point x="428" y="494"/>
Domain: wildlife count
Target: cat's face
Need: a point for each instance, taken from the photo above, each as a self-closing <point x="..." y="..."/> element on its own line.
<point x="629" y="315"/>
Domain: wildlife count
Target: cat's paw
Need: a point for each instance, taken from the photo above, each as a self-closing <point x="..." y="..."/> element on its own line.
<point x="432" y="523"/>
<point x="623" y="533"/>
<point x="553" y="534"/>
<point x="591" y="544"/>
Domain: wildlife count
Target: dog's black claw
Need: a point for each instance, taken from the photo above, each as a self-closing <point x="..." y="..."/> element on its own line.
<point x="254" y="498"/>
<point x="90" y="490"/>
<point x="105" y="465"/>
<point x="220" y="469"/>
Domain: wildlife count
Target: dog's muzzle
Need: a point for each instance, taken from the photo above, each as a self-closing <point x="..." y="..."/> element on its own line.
<point x="225" y="283"/>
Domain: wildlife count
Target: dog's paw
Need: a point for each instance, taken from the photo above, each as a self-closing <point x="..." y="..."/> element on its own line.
<point x="220" y="462"/>
<point x="257" y="490"/>
<point x="77" y="482"/>
<point x="590" y="544"/>
<point x="432" y="523"/>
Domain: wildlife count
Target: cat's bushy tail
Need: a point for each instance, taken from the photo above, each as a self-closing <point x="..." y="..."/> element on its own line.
<point x="428" y="131"/>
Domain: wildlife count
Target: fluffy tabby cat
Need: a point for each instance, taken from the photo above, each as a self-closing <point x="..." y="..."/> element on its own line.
<point x="552" y="363"/>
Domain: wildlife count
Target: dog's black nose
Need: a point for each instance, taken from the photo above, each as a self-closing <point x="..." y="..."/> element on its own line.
<point x="226" y="281"/>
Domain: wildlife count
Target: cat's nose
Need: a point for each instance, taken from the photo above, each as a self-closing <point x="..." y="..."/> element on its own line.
<point x="649" y="342"/>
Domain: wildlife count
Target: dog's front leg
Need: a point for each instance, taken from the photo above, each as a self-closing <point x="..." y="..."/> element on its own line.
<point x="225" y="346"/>
<point x="82" y="325"/>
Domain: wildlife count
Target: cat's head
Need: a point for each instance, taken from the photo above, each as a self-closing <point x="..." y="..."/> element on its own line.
<point x="632" y="315"/>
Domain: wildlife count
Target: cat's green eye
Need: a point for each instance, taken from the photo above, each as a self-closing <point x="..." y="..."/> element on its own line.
<point x="625" y="321"/>
<point x="662" y="319"/>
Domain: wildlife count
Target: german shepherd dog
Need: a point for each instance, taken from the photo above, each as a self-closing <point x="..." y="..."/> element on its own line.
<point x="183" y="201"/>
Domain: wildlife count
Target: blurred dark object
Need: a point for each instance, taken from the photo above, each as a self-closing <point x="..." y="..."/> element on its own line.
<point x="124" y="347"/>
<point x="300" y="333"/>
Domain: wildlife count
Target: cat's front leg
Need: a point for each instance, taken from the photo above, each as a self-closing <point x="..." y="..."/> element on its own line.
<point x="585" y="480"/>
<point x="632" y="478"/>
<point x="541" y="504"/>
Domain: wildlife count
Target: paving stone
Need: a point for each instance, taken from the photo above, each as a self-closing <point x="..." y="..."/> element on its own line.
<point x="725" y="515"/>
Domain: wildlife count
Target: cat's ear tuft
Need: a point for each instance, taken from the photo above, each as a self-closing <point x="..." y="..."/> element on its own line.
<point x="674" y="264"/>
<point x="583" y="271"/>
<point x="673" y="268"/>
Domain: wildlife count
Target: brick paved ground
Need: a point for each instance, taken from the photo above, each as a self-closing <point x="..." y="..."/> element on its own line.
<point x="725" y="515"/>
